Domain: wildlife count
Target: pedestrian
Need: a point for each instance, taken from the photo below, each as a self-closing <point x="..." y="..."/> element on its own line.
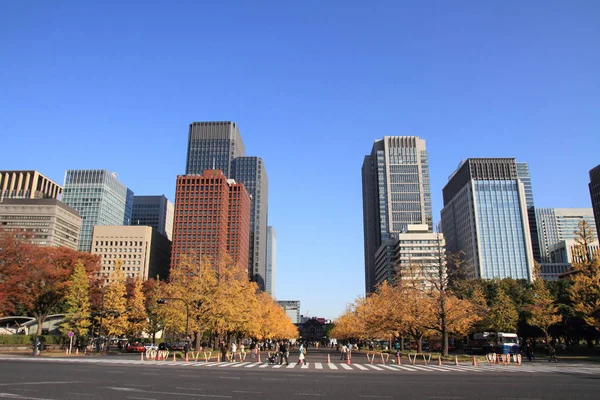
<point x="283" y="350"/>
<point x="551" y="353"/>
<point x="242" y="352"/>
<point x="223" y="349"/>
<point x="528" y="351"/>
<point x="233" y="351"/>
<point x="344" y="353"/>
<point x="301" y="355"/>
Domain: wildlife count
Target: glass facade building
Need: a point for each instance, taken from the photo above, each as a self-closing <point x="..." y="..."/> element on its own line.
<point x="154" y="211"/>
<point x="525" y="177"/>
<point x="213" y="145"/>
<point x="595" y="196"/>
<point x="100" y="198"/>
<point x="396" y="193"/>
<point x="485" y="217"/>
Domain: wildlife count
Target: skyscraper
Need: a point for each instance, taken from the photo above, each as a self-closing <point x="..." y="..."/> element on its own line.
<point x="595" y="195"/>
<point x="396" y="193"/>
<point x="557" y="224"/>
<point x="154" y="211"/>
<point x="252" y="173"/>
<point x="271" y="261"/>
<point x="485" y="216"/>
<point x="27" y="185"/>
<point x="213" y="145"/>
<point x="212" y="218"/>
<point x="525" y="177"/>
<point x="219" y="145"/>
<point x="100" y="198"/>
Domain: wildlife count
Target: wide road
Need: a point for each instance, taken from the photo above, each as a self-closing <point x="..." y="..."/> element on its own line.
<point x="30" y="379"/>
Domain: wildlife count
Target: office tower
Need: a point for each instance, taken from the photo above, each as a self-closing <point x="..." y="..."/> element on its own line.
<point x="396" y="193"/>
<point x="100" y="198"/>
<point x="525" y="177"/>
<point x="154" y="211"/>
<point x="595" y="195"/>
<point x="252" y="173"/>
<point x="44" y="222"/>
<point x="557" y="224"/>
<point x="292" y="309"/>
<point x="417" y="248"/>
<point x="144" y="251"/>
<point x="213" y="145"/>
<point x="212" y="218"/>
<point x="271" y="261"/>
<point x="485" y="216"/>
<point x="27" y="185"/>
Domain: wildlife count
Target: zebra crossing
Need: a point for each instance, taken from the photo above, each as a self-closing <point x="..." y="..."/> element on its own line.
<point x="571" y="368"/>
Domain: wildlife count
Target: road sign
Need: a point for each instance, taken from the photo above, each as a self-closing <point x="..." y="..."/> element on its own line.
<point x="71" y="334"/>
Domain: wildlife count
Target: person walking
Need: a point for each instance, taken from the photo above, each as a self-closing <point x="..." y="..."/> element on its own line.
<point x="343" y="353"/>
<point x="529" y="352"/>
<point x="233" y="351"/>
<point x="301" y="355"/>
<point x="551" y="353"/>
<point x="283" y="350"/>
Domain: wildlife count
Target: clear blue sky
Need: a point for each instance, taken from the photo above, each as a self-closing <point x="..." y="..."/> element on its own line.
<point x="114" y="85"/>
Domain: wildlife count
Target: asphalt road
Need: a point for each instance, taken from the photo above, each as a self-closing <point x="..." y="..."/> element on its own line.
<point x="36" y="380"/>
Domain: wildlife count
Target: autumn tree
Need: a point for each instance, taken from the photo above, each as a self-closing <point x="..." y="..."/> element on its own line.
<point x="136" y="310"/>
<point x="502" y="314"/>
<point x="584" y="291"/>
<point x="77" y="303"/>
<point x="543" y="313"/>
<point x="115" y="303"/>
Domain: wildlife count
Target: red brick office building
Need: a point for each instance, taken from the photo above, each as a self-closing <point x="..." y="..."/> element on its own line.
<point x="212" y="218"/>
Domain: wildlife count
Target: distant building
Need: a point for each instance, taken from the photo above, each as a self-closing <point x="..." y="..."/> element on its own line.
<point x="154" y="211"/>
<point x="100" y="198"/>
<point x="525" y="177"/>
<point x="569" y="251"/>
<point x="417" y="249"/>
<point x="595" y="196"/>
<point x="292" y="309"/>
<point x="44" y="222"/>
<point x="27" y="185"/>
<point x="271" y="274"/>
<point x="485" y="216"/>
<point x="212" y="218"/>
<point x="396" y="193"/>
<point x="145" y="253"/>
<point x="557" y="224"/>
<point x="314" y="330"/>
<point x="553" y="271"/>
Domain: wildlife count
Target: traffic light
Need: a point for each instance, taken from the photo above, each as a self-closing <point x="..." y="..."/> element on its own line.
<point x="162" y="301"/>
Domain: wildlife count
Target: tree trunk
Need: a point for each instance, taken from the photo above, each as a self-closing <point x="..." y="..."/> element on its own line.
<point x="402" y="343"/>
<point x="40" y="320"/>
<point x="420" y="344"/>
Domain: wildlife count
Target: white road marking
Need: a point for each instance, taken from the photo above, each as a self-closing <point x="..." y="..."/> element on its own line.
<point x="332" y="366"/>
<point x="346" y="366"/>
<point x="374" y="367"/>
<point x="291" y="366"/>
<point x="240" y="364"/>
<point x="318" y="366"/>
<point x="17" y="396"/>
<point x="252" y="365"/>
<point x="361" y="367"/>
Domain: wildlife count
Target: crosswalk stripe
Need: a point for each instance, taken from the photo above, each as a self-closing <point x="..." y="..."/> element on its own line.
<point x="304" y="366"/>
<point x="265" y="365"/>
<point x="318" y="366"/>
<point x="375" y="367"/>
<point x="240" y="364"/>
<point x="332" y="366"/>
<point x="252" y="365"/>
<point x="404" y="368"/>
<point x="388" y="367"/>
<point x="291" y="365"/>
<point x="277" y="366"/>
<point x="346" y="366"/>
<point x="361" y="367"/>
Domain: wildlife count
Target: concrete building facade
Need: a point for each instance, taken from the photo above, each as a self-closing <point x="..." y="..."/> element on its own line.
<point x="213" y="145"/>
<point x="100" y="198"/>
<point x="252" y="173"/>
<point x="485" y="216"/>
<point x="557" y="224"/>
<point x="27" y="185"/>
<point x="271" y="275"/>
<point x="44" y="222"/>
<point x="595" y="196"/>
<point x="414" y="254"/>
<point x="145" y="252"/>
<point x="396" y="192"/>
<point x="154" y="211"/>
<point x="212" y="218"/>
<point x="525" y="177"/>
<point x="292" y="309"/>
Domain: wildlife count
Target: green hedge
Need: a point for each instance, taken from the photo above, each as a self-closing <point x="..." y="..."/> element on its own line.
<point x="28" y="339"/>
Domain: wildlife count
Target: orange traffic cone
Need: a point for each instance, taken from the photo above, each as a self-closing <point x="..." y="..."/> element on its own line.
<point x="328" y="359"/>
<point x="399" y="360"/>
<point x="141" y="356"/>
<point x="174" y="359"/>
<point x="259" y="356"/>
<point x="187" y="357"/>
<point x="218" y="358"/>
<point x="474" y="361"/>
<point x="348" y="359"/>
<point x="440" y="361"/>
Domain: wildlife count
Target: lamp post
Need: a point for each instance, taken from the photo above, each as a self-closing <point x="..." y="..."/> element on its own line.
<point x="187" y="318"/>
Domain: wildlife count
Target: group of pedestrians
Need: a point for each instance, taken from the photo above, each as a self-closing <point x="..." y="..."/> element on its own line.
<point x="346" y="351"/>
<point x="529" y="349"/>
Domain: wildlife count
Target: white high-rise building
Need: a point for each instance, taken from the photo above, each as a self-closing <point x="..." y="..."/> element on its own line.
<point x="271" y="261"/>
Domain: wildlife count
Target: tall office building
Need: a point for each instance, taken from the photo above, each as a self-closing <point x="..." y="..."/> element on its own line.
<point x="213" y="145"/>
<point x="212" y="218"/>
<point x="154" y="211"/>
<point x="100" y="198"/>
<point x="27" y="185"/>
<point x="219" y="145"/>
<point x="271" y="261"/>
<point x="396" y="193"/>
<point x="525" y="177"/>
<point x="485" y="216"/>
<point x="292" y="309"/>
<point x="558" y="224"/>
<point x="43" y="222"/>
<point x="252" y="173"/>
<point x="595" y="195"/>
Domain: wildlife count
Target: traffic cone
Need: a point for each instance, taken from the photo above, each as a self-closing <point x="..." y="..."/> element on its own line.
<point x="259" y="356"/>
<point x="77" y="351"/>
<point x="187" y="358"/>
<point x="219" y="358"/>
<point x="348" y="359"/>
<point x="174" y="359"/>
<point x="440" y="360"/>
<point x="399" y="360"/>
<point x="141" y="356"/>
<point x="328" y="359"/>
<point x="455" y="360"/>
<point x="474" y="361"/>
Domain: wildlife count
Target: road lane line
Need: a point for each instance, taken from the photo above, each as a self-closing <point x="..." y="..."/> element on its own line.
<point x="252" y="365"/>
<point x="240" y="364"/>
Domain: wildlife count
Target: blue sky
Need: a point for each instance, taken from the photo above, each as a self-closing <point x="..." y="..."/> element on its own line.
<point x="115" y="84"/>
